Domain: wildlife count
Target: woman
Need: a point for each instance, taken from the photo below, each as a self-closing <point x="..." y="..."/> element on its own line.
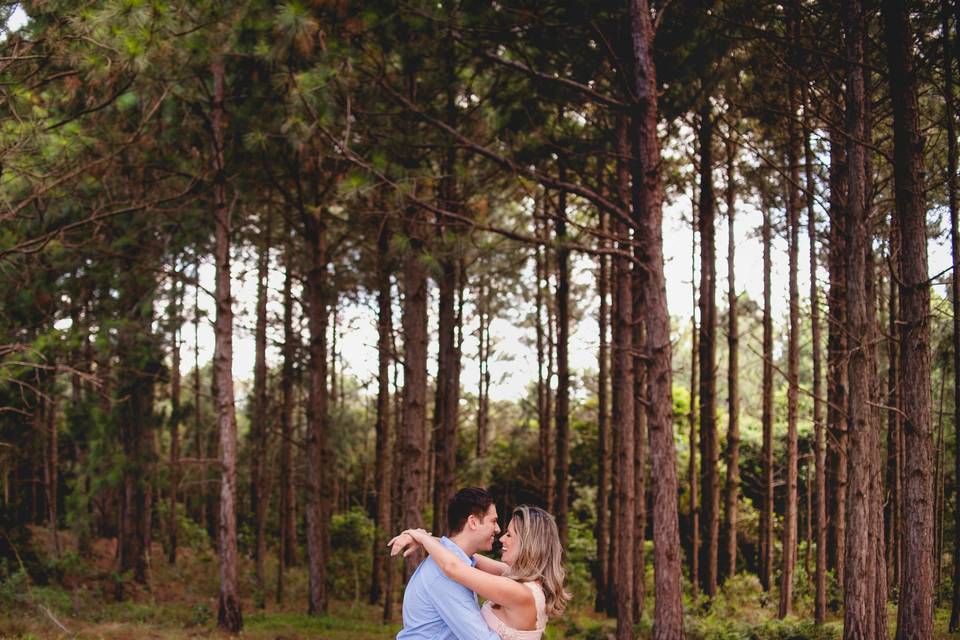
<point x="522" y="590"/>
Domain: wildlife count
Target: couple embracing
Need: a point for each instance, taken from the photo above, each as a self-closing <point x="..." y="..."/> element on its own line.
<point x="521" y="591"/>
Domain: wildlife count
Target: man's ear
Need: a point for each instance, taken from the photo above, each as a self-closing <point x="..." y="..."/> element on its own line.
<point x="472" y="522"/>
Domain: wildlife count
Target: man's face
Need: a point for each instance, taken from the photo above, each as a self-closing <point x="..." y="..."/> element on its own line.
<point x="487" y="529"/>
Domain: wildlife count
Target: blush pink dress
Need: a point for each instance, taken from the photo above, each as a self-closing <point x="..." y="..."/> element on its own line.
<point x="509" y="633"/>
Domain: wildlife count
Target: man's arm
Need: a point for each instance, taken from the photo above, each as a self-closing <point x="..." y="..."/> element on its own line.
<point x="458" y="609"/>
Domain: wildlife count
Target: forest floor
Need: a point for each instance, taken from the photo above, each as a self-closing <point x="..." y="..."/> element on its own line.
<point x="79" y="602"/>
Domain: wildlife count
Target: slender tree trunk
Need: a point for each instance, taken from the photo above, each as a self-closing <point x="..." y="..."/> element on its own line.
<point x="894" y="437"/>
<point x="819" y="445"/>
<point x="413" y="434"/>
<point x="229" y="616"/>
<point x="789" y="538"/>
<point x="837" y="341"/>
<point x="175" y="388"/>
<point x="483" y="360"/>
<point x="709" y="440"/>
<point x="624" y="425"/>
<point x="767" y="516"/>
<point x="950" y="112"/>
<point x="648" y="202"/>
<point x="860" y="579"/>
<point x="258" y="429"/>
<point x="603" y="437"/>
<point x="384" y="464"/>
<point x="288" y="521"/>
<point x="639" y="451"/>
<point x="915" y="613"/>
<point x="732" y="492"/>
<point x="692" y="419"/>
<point x="53" y="462"/>
<point x="197" y="411"/>
<point x="563" y="366"/>
<point x="543" y="423"/>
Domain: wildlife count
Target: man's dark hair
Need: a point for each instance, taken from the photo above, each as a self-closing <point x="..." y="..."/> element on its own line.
<point x="473" y="501"/>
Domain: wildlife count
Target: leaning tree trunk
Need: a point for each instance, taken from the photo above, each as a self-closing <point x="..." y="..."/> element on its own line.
<point x="915" y="613"/>
<point x="229" y="616"/>
<point x="668" y="611"/>
<point x="709" y="441"/>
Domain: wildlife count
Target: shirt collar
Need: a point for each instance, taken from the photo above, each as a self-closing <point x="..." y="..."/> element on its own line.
<point x="457" y="551"/>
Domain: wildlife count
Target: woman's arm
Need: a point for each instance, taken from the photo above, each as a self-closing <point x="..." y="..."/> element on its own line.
<point x="405" y="543"/>
<point x="489" y="565"/>
<point x="504" y="591"/>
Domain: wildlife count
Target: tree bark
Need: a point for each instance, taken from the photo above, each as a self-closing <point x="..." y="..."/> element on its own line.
<point x="648" y="202"/>
<point x="915" y="613"/>
<point x="288" y="521"/>
<point x="692" y="418"/>
<point x="229" y="616"/>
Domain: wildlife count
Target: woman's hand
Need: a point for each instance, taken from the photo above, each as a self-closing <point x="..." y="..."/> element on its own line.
<point x="406" y="542"/>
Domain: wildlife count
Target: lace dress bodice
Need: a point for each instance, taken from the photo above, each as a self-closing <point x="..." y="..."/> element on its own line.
<point x="509" y="633"/>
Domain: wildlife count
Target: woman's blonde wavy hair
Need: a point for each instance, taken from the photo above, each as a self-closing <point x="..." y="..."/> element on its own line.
<point x="539" y="556"/>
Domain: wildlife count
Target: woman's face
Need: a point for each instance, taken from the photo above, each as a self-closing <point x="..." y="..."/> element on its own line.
<point x="509" y="544"/>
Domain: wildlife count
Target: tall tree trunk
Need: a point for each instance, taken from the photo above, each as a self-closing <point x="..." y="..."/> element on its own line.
<point x="413" y="434"/>
<point x="648" y="203"/>
<point x="950" y="114"/>
<point x="639" y="450"/>
<point x="894" y="437"/>
<point x="229" y="616"/>
<point x="860" y="579"/>
<point x="175" y="388"/>
<point x="448" y="320"/>
<point x="288" y="522"/>
<point x="819" y="445"/>
<point x="258" y="429"/>
<point x="198" y="439"/>
<point x="915" y="613"/>
<point x="384" y="450"/>
<point x="53" y="461"/>
<point x="732" y="492"/>
<point x="483" y="360"/>
<point x="317" y="319"/>
<point x="543" y="380"/>
<point x="602" y="530"/>
<point x="709" y="440"/>
<point x="624" y="388"/>
<point x="789" y="536"/>
<point x="692" y="418"/>
<point x="767" y="516"/>
<point x="563" y="366"/>
<point x="837" y="341"/>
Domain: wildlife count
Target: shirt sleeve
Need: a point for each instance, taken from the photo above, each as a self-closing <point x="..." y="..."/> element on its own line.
<point x="457" y="607"/>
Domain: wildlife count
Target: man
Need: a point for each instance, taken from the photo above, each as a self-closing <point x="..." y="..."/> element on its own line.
<point x="434" y="606"/>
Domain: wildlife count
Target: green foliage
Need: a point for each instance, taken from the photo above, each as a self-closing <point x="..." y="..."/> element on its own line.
<point x="351" y="539"/>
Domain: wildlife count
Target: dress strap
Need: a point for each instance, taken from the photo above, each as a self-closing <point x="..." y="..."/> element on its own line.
<point x="541" y="602"/>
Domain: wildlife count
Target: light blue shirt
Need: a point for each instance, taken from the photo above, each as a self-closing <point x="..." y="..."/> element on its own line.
<point x="437" y="608"/>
